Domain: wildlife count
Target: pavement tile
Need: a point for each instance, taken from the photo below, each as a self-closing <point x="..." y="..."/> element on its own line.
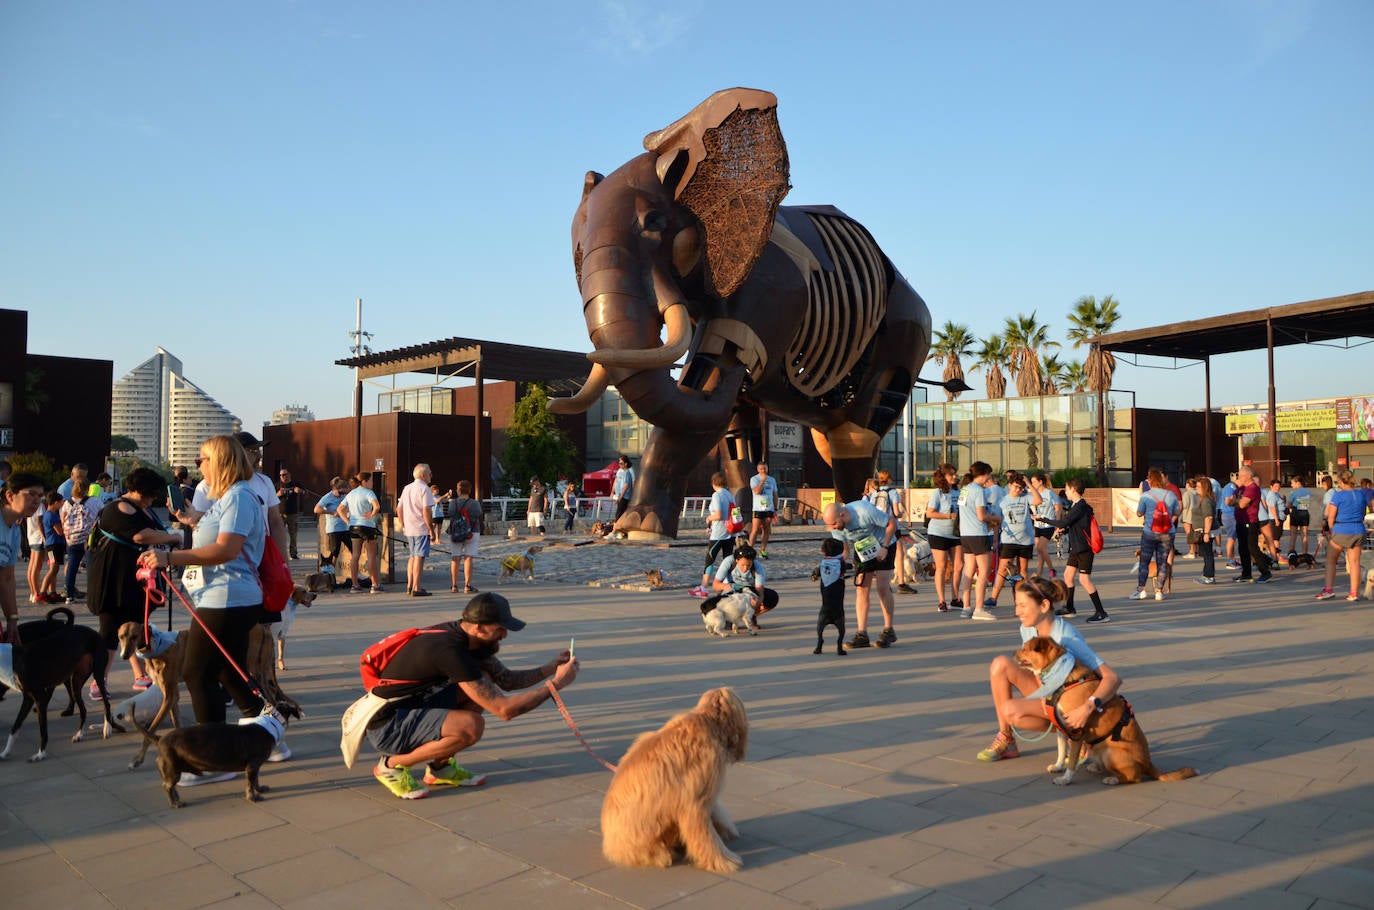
<point x="35" y="873"/>
<point x="262" y="848"/>
<point x="1217" y="824"/>
<point x="197" y="886"/>
<point x="67" y="894"/>
<point x="968" y="876"/>
<point x="557" y="846"/>
<point x="801" y="831"/>
<point x="443" y="865"/>
<point x="290" y="879"/>
<point x="81" y="809"/>
<point x="1307" y="812"/>
<point x="650" y="888"/>
<point x="537" y="888"/>
<point x="888" y="816"/>
<point x="884" y="854"/>
<point x="377" y="890"/>
<point x="151" y="860"/>
<point x="1202" y="853"/>
<point x="115" y="837"/>
<point x="1234" y="890"/>
<point x="845" y="886"/>
<point x="1101" y="871"/>
<point x="319" y="810"/>
<point x="1054" y="891"/>
<point x="733" y="894"/>
<point x="208" y="820"/>
<point x="487" y="819"/>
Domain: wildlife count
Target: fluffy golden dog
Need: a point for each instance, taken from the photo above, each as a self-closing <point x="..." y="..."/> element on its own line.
<point x="666" y="792"/>
<point x="1121" y="748"/>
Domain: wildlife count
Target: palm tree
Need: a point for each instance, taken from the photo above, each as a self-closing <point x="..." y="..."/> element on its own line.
<point x="952" y="341"/>
<point x="1051" y="374"/>
<point x="1088" y="320"/>
<point x="1074" y="378"/>
<point x="1026" y="337"/>
<point x="991" y="358"/>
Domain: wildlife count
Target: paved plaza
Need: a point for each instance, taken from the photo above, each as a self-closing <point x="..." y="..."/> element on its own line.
<point x="860" y="788"/>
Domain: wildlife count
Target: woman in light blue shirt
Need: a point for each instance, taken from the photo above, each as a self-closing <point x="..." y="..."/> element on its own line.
<point x="335" y="528"/>
<point x="222" y="578"/>
<point x="942" y="532"/>
<point x="360" y="509"/>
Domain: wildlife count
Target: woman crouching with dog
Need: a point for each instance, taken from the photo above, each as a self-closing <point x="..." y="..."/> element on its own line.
<point x="222" y="578"/>
<point x="1012" y="683"/>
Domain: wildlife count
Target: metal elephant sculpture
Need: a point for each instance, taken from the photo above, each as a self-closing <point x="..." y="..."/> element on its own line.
<point x="794" y="309"/>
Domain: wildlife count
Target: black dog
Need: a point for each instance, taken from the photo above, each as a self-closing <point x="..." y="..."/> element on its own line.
<point x="68" y="655"/>
<point x="1296" y="559"/>
<point x="35" y="629"/>
<point x="212" y="747"/>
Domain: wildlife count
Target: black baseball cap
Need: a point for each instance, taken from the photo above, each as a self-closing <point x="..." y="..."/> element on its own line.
<point x="248" y="440"/>
<point x="487" y="608"/>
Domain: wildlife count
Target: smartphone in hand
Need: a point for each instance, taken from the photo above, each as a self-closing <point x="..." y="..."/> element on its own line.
<point x="175" y="501"/>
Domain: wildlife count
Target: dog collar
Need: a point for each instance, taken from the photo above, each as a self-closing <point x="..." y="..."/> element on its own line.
<point x="1053" y="678"/>
<point x="268" y="723"/>
<point x="159" y="645"/>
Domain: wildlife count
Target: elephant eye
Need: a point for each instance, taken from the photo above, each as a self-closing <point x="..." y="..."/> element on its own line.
<point x="654" y="222"/>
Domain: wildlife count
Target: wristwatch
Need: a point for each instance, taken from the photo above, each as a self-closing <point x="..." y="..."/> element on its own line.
<point x="1097" y="703"/>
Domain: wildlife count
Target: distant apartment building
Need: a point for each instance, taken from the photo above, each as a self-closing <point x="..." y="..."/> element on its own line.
<point x="292" y="413"/>
<point x="166" y="414"/>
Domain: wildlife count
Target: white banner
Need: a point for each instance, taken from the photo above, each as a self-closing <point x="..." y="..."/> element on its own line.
<point x="784" y="438"/>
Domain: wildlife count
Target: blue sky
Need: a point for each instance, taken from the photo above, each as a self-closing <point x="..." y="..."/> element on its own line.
<point x="225" y="180"/>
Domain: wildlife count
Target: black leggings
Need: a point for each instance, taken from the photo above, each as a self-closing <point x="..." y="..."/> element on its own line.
<point x="204" y="666"/>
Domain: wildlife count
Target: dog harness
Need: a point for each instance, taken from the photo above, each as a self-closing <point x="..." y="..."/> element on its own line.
<point x="512" y="563"/>
<point x="158" y="643"/>
<point x="267" y="722"/>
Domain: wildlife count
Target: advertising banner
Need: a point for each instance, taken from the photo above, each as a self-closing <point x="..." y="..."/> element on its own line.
<point x="1288" y="421"/>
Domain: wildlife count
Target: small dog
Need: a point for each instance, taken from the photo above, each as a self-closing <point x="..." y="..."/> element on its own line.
<point x="320" y="583"/>
<point x="1112" y="736"/>
<point x="1168" y="584"/>
<point x="163" y="658"/>
<point x="729" y="610"/>
<point x="68" y="655"/>
<point x="1369" y="585"/>
<point x="216" y="747"/>
<point x="601" y="528"/>
<point x="666" y="792"/>
<point x="522" y="563"/>
<point x="512" y="534"/>
<point x="300" y="597"/>
<point x="1296" y="559"/>
<point x="919" y="561"/>
<point x="655" y="577"/>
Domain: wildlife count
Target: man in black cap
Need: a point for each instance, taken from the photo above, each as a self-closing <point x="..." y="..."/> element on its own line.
<point x="454" y="675"/>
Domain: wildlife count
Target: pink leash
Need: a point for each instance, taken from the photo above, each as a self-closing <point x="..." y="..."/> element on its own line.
<point x="563" y="709"/>
<point x="150" y="583"/>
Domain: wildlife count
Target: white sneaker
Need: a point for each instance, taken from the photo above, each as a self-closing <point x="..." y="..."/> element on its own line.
<point x="1159" y="595"/>
<point x="985" y="615"/>
<point x="1138" y="595"/>
<point x="1190" y="556"/>
<point x="280" y="752"/>
<point x="192" y="779"/>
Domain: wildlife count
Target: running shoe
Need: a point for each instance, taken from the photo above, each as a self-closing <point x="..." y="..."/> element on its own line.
<point x="942" y="607"/>
<point x="1352" y="597"/>
<point x="860" y="640"/>
<point x="1159" y="595"/>
<point x="888" y="636"/>
<point x="1138" y="595"/>
<point x="1326" y="594"/>
<point x="1204" y="580"/>
<point x="984" y="615"/>
<point x="1099" y="617"/>
<point x="1003" y="746"/>
<point x="399" y="782"/>
<point x="143" y="682"/>
<point x="452" y="774"/>
<point x="192" y="779"/>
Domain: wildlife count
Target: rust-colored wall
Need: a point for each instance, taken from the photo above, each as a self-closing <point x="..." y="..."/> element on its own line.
<point x="1181" y="431"/>
<point x="315" y="451"/>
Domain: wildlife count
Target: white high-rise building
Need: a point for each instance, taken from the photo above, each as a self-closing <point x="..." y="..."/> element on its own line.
<point x="292" y="413"/>
<point x="167" y="415"/>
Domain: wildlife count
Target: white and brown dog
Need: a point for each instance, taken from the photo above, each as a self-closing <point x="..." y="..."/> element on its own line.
<point x="734" y="610"/>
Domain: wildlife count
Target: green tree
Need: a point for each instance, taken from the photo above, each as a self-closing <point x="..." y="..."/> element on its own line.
<point x="123" y="445"/>
<point x="1088" y="320"/>
<point x="40" y="464"/>
<point x="1074" y="379"/>
<point x="992" y="357"/>
<point x="1026" y="338"/>
<point x="1052" y="371"/>
<point x="535" y="446"/>
<point x="952" y="342"/>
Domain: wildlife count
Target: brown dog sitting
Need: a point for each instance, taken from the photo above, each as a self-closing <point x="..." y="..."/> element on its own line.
<point x="163" y="659"/>
<point x="666" y="792"/>
<point x="1113" y="736"/>
<point x="655" y="577"/>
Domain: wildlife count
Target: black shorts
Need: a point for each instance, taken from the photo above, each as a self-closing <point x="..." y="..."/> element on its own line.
<point x="1047" y="533"/>
<point x="1082" y="561"/>
<point x="1016" y="551"/>
<point x="1298" y="519"/>
<point x="764" y="516"/>
<point x="943" y="543"/>
<point x="718" y="549"/>
<point x="975" y="546"/>
<point x="363" y="532"/>
<point x="886" y="564"/>
<point x="58" y="551"/>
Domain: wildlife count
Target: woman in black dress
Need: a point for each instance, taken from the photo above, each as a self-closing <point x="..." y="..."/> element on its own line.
<point x="125" y="528"/>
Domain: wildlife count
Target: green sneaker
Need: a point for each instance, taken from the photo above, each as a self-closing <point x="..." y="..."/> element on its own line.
<point x="1003" y="746"/>
<point x="399" y="781"/>
<point x="453" y="775"/>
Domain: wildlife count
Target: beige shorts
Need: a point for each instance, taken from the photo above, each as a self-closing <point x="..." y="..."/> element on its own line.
<point x="467" y="547"/>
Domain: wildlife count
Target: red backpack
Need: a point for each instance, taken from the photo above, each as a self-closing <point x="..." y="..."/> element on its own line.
<point x="1161" y="522"/>
<point x="1094" y="535"/>
<point x="373" y="663"/>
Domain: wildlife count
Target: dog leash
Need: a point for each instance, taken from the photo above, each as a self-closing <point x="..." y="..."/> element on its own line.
<point x="572" y="725"/>
<point x="253" y="683"/>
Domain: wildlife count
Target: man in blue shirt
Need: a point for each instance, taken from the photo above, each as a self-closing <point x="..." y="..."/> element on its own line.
<point x="20" y="496"/>
<point x="873" y="534"/>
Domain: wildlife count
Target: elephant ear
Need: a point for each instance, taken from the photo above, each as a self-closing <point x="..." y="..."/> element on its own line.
<point x="726" y="162"/>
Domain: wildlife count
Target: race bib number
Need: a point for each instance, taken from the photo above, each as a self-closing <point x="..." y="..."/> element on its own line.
<point x="736" y="516"/>
<point x="763" y="502"/>
<point x="193" y="578"/>
<point x="866" y="549"/>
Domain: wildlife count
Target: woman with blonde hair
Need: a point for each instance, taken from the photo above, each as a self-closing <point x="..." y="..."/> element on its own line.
<point x="222" y="578"/>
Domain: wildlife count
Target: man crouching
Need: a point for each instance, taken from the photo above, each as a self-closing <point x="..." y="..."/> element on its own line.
<point x="451" y="675"/>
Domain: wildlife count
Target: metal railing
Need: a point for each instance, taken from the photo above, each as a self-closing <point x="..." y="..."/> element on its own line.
<point x="597" y="508"/>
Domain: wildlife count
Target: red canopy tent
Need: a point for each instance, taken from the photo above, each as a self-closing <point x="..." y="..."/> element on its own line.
<point x="598" y="483"/>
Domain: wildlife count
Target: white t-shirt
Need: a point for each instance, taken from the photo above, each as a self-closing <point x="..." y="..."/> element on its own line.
<point x="260" y="484"/>
<point x="414" y="504"/>
<point x="765" y="493"/>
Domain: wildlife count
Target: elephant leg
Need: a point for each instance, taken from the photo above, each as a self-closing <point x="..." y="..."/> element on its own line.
<point x="743" y="452"/>
<point x="661" y="485"/>
<point x="853" y="458"/>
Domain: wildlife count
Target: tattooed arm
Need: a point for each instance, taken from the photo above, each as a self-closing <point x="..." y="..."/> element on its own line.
<point x="492" y="690"/>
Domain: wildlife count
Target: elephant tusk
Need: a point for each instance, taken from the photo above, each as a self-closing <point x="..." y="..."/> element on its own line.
<point x="591" y="390"/>
<point x="679" y="325"/>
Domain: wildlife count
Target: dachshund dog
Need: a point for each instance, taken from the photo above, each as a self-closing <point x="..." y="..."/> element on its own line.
<point x="666" y="792"/>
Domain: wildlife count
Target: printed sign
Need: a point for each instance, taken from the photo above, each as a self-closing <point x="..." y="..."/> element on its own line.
<point x="1288" y="421"/>
<point x="379" y="464"/>
<point x="784" y="438"/>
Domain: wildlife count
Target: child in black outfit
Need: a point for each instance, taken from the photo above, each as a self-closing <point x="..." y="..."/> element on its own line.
<point x="830" y="573"/>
